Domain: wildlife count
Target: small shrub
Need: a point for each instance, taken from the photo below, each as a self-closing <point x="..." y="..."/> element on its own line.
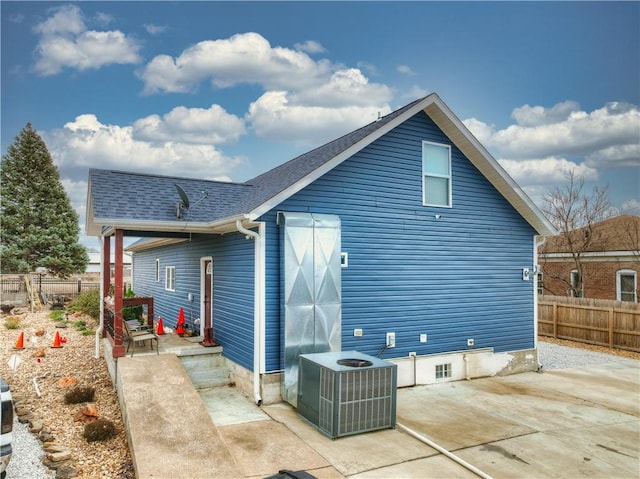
<point x="80" y="394"/>
<point x="87" y="303"/>
<point x="12" y="322"/>
<point x="86" y="332"/>
<point x="56" y="315"/>
<point x="80" y="325"/>
<point x="99" y="430"/>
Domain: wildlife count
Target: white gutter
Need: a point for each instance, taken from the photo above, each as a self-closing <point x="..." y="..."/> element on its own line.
<point x="258" y="298"/>
<point x="101" y="326"/>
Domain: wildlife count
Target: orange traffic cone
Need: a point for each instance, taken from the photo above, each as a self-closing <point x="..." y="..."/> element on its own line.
<point x="180" y="327"/>
<point x="160" y="327"/>
<point x="20" y="342"/>
<point x="56" y="341"/>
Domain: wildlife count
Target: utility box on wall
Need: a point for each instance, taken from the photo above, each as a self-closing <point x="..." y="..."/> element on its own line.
<point x="347" y="393"/>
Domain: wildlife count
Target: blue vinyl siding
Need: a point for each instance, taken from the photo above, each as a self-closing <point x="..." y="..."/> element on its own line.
<point x="232" y="287"/>
<point x="455" y="278"/>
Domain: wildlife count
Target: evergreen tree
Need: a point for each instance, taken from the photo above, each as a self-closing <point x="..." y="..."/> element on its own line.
<point x="39" y="226"/>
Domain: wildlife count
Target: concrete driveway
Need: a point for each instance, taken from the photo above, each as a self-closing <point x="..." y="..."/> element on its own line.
<point x="566" y="423"/>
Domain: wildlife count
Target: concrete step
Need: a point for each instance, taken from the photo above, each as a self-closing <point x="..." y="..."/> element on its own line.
<point x="206" y="370"/>
<point x="210" y="378"/>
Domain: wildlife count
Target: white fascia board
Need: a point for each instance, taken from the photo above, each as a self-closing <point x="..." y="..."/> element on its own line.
<point x="154" y="243"/>
<point x="338" y="159"/>
<point x="221" y="226"/>
<point x="592" y="256"/>
<point x="90" y="228"/>
<point x="460" y="135"/>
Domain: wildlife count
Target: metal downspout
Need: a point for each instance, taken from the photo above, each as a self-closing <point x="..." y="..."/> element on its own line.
<point x="257" y="321"/>
<point x="101" y="325"/>
<point x="536" y="245"/>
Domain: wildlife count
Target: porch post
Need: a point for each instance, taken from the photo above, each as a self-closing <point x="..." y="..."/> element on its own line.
<point x="118" y="346"/>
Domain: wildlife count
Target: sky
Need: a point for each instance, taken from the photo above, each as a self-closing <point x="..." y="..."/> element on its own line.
<point x="228" y="90"/>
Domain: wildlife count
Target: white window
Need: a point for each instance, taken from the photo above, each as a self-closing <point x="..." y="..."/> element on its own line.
<point x="436" y="174"/>
<point x="443" y="371"/>
<point x="157" y="270"/>
<point x="577" y="286"/>
<point x="170" y="278"/>
<point x="540" y="283"/>
<point x="627" y="285"/>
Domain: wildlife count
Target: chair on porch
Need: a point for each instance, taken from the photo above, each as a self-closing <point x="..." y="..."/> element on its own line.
<point x="139" y="336"/>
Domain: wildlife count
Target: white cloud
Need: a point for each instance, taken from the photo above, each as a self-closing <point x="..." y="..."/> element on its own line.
<point x="481" y="130"/>
<point x="546" y="143"/>
<point x="631" y="207"/>
<point x="88" y="143"/>
<point x="190" y="125"/>
<point x="546" y="170"/>
<point x="65" y="41"/>
<point x="537" y="115"/>
<point x="272" y="116"/>
<point x="154" y="29"/>
<point x="345" y="88"/>
<point x="310" y="46"/>
<point x="581" y="133"/>
<point x="616" y="156"/>
<point x="405" y="70"/>
<point x="243" y="58"/>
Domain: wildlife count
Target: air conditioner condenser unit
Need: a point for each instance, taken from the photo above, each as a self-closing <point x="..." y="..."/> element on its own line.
<point x="345" y="393"/>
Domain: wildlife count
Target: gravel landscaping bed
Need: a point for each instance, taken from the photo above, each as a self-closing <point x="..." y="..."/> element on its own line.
<point x="41" y="406"/>
<point x="563" y="354"/>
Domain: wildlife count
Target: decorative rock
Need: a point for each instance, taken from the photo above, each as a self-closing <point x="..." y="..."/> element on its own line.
<point x="36" y="427"/>
<point x="66" y="471"/>
<point x="55" y="447"/>
<point x="46" y="437"/>
<point x="67" y="382"/>
<point x="89" y="413"/>
<point x="59" y="456"/>
<point x="22" y="411"/>
<point x="40" y="332"/>
<point x="25" y="418"/>
<point x="39" y="353"/>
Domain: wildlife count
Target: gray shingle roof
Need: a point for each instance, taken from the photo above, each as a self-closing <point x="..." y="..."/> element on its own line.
<point x="138" y="196"/>
<point x="147" y="202"/>
<point x="121" y="195"/>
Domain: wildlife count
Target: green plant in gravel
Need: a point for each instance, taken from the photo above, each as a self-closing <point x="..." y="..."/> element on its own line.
<point x="80" y="394"/>
<point x="99" y="430"/>
<point x="82" y="327"/>
<point x="87" y="303"/>
<point x="12" y="322"/>
<point x="57" y="315"/>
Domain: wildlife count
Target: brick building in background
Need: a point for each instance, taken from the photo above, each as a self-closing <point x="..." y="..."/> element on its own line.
<point x="610" y="260"/>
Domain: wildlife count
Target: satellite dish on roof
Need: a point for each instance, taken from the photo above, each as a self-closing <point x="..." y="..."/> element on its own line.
<point x="184" y="201"/>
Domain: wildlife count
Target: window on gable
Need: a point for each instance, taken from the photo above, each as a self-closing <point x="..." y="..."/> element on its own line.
<point x="436" y="174"/>
<point x="170" y="278"/>
<point x="627" y="285"/>
<point x="157" y="270"/>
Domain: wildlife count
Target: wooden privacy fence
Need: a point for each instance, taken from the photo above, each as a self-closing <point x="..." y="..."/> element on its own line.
<point x="614" y="324"/>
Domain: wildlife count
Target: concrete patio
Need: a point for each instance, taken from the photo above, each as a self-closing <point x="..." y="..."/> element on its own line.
<point x="562" y="423"/>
